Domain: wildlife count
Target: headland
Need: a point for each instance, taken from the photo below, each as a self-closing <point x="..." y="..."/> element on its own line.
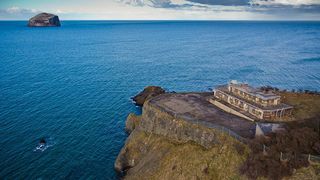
<point x="184" y="135"/>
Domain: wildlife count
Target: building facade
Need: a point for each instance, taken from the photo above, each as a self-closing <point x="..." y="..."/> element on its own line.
<point x="253" y="101"/>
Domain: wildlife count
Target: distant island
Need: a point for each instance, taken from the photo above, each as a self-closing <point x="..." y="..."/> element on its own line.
<point x="44" y="20"/>
<point x="190" y="136"/>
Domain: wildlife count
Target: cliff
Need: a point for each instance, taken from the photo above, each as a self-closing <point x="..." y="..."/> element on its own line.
<point x="44" y="20"/>
<point x="183" y="136"/>
<point x="151" y="156"/>
<point x="166" y="144"/>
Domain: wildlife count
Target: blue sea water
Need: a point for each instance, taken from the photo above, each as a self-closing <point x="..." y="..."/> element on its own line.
<point x="72" y="85"/>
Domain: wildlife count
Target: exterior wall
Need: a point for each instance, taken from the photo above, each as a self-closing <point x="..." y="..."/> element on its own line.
<point x="276" y="114"/>
<point x="222" y="96"/>
<point x="253" y="110"/>
<point x="228" y="109"/>
<point x="252" y="98"/>
<point x="239" y="104"/>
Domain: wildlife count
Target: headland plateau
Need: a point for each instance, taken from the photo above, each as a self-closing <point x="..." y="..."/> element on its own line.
<point x="185" y="136"/>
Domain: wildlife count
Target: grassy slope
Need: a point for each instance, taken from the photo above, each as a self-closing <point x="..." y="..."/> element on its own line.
<point x="305" y="105"/>
<point x="159" y="158"/>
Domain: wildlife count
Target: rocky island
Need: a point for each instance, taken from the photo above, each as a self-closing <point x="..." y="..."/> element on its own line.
<point x="184" y="136"/>
<point x="44" y="20"/>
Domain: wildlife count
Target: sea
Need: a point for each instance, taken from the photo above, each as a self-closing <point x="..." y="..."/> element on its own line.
<point x="72" y="85"/>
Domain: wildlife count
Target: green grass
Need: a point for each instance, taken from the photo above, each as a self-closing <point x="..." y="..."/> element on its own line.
<point x="305" y="105"/>
<point x="160" y="158"/>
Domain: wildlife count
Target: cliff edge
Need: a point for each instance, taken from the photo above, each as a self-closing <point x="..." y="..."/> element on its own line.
<point x="147" y="93"/>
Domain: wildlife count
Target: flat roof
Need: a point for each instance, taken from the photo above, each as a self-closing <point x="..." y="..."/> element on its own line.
<point x="195" y="107"/>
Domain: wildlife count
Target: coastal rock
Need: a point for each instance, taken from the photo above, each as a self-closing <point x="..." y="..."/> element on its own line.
<point x="147" y="93"/>
<point x="132" y="122"/>
<point x="44" y="20"/>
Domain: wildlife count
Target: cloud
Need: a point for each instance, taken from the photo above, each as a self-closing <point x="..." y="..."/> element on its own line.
<point x="223" y="2"/>
<point x="212" y="4"/>
<point x="14" y="12"/>
<point x="133" y="2"/>
<point x="176" y="10"/>
<point x="18" y="10"/>
<point x="251" y="9"/>
<point x="258" y="2"/>
<point x="285" y="2"/>
<point x="177" y="4"/>
<point x="288" y="9"/>
<point x="17" y="13"/>
<point x="289" y="12"/>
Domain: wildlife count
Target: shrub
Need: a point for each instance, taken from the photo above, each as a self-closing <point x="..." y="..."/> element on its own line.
<point x="284" y="153"/>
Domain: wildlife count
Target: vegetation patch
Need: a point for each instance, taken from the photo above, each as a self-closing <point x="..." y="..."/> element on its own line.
<point x="305" y="105"/>
<point x="279" y="154"/>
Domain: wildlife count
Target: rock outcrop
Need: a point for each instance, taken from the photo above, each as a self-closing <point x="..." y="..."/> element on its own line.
<point x="147" y="93"/>
<point x="132" y="122"/>
<point x="163" y="145"/>
<point x="44" y="20"/>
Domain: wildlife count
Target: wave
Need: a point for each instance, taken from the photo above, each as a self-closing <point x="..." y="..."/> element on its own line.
<point x="42" y="147"/>
<point x="307" y="60"/>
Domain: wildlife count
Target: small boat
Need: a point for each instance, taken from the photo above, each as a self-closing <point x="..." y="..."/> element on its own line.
<point x="42" y="141"/>
<point x="42" y="145"/>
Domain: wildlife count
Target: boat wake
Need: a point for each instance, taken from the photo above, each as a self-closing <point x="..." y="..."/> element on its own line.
<point x="44" y="144"/>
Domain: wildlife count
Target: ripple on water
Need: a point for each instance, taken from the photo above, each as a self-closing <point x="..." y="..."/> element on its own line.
<point x="74" y="83"/>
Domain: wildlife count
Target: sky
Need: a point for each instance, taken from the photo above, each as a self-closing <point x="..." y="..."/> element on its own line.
<point x="163" y="9"/>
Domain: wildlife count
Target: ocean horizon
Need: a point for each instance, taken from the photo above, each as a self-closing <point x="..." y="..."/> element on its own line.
<point x="72" y="84"/>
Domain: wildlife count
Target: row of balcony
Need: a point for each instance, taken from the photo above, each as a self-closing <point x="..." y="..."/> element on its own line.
<point x="255" y="99"/>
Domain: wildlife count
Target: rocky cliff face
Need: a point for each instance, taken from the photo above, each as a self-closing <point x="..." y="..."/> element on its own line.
<point x="44" y="20"/>
<point x="157" y="121"/>
<point x="150" y="156"/>
<point x="162" y="146"/>
<point x="132" y="122"/>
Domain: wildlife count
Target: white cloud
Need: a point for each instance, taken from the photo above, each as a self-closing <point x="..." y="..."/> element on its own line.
<point x="17" y="13"/>
<point x="286" y="2"/>
<point x="133" y="2"/>
<point x="15" y="10"/>
<point x="159" y="3"/>
<point x="58" y="11"/>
